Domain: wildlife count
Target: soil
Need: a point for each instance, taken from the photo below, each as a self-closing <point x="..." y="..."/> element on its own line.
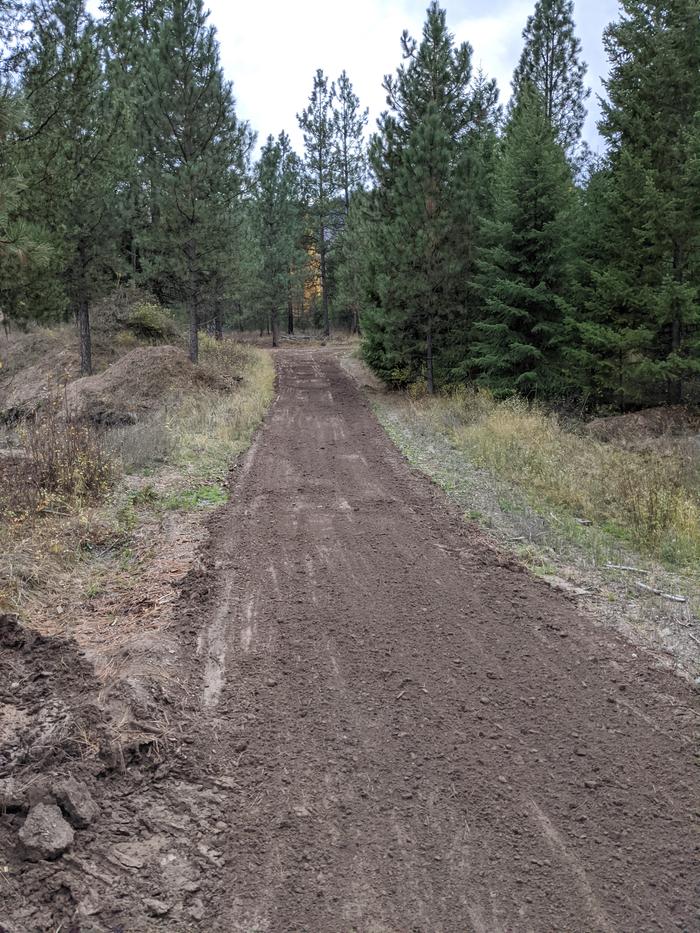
<point x="135" y="385"/>
<point x="638" y="429"/>
<point x="377" y="722"/>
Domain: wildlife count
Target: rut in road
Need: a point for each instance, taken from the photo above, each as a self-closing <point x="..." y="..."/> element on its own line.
<point x="412" y="732"/>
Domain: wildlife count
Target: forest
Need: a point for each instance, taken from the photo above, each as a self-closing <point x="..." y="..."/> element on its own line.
<point x="471" y="238"/>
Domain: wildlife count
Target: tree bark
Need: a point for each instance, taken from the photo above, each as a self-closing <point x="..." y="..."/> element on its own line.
<point x="275" y="327"/>
<point x="290" y="316"/>
<point x="675" y="386"/>
<point x="85" y="336"/>
<point x="194" y="330"/>
<point x="429" y="361"/>
<point x="324" y="284"/>
<point x="83" y="314"/>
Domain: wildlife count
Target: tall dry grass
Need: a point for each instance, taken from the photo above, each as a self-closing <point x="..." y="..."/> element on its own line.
<point x="57" y="463"/>
<point x="650" y="498"/>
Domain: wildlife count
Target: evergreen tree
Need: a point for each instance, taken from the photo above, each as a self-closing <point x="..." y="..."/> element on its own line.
<point x="20" y="242"/>
<point x="129" y="30"/>
<point x="317" y="125"/>
<point x="278" y="222"/>
<point x="349" y="123"/>
<point x="551" y="61"/>
<point x="644" y="320"/>
<point x="354" y="276"/>
<point x="70" y="137"/>
<point x="521" y="342"/>
<point x="200" y="150"/>
<point x="422" y="208"/>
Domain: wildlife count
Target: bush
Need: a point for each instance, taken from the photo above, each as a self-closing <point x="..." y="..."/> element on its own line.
<point x="152" y="323"/>
<point x="58" y="459"/>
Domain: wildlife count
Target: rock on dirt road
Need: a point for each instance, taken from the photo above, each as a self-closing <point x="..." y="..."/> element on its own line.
<point x="381" y="723"/>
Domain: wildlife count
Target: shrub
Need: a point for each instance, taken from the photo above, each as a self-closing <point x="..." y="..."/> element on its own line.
<point x="151" y="322"/>
<point x="142" y="445"/>
<point x="58" y="459"/>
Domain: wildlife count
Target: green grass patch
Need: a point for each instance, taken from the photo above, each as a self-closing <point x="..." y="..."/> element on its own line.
<point x="203" y="497"/>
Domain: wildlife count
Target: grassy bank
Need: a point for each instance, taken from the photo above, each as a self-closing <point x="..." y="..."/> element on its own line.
<point x="649" y="499"/>
<point x="101" y="561"/>
<point x="572" y="508"/>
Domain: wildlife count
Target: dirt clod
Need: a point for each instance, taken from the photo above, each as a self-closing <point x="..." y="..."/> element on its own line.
<point x="75" y="800"/>
<point x="45" y="833"/>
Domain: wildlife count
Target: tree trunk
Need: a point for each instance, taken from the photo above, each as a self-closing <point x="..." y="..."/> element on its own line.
<point x="355" y="327"/>
<point x="675" y="386"/>
<point x="275" y="327"/>
<point x="324" y="285"/>
<point x="429" y="361"/>
<point x="85" y="336"/>
<point x="290" y="316"/>
<point x="218" y="322"/>
<point x="194" y="330"/>
<point x="83" y="313"/>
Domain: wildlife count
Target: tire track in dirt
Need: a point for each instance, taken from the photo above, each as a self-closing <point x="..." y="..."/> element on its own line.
<point x="379" y="723"/>
<point x="428" y="738"/>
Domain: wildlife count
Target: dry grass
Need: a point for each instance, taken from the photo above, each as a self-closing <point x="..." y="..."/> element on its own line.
<point x="528" y="481"/>
<point x="212" y="428"/>
<point x="107" y="572"/>
<point x="651" y="499"/>
<point x="57" y="464"/>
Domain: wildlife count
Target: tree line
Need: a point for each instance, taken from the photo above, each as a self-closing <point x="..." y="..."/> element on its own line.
<point x="466" y="241"/>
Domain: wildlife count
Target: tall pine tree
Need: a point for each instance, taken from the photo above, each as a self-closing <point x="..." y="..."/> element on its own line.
<point x="70" y="134"/>
<point x="422" y="207"/>
<point x="349" y="122"/>
<point x="199" y="154"/>
<point x="520" y="344"/>
<point x="644" y="320"/>
<point x="317" y="125"/>
<point x="551" y="61"/>
<point x="278" y="225"/>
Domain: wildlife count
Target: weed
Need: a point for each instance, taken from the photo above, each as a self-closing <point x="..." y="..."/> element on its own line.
<point x="201" y="498"/>
<point x="650" y="499"/>
<point x="58" y="461"/>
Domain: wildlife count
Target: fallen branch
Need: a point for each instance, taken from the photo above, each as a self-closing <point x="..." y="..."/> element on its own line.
<point x="651" y="589"/>
<point x="625" y="567"/>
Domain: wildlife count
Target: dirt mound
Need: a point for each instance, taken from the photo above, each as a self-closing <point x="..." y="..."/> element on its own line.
<point x="37" y="364"/>
<point x="636" y="428"/>
<point x="47" y="709"/>
<point x="135" y="385"/>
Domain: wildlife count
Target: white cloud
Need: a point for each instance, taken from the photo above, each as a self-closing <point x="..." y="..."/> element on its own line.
<point x="271" y="49"/>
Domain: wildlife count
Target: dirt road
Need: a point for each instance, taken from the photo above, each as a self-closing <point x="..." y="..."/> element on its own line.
<point x="388" y="725"/>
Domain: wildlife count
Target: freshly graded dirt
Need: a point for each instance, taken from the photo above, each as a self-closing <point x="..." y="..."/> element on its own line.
<point x="380" y="723"/>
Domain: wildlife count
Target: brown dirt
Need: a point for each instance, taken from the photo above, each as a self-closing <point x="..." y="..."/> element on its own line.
<point x="636" y="429"/>
<point x="379" y="723"/>
<point x="135" y="385"/>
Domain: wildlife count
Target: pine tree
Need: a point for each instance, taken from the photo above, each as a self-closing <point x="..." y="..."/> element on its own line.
<point x="70" y="136"/>
<point x="644" y="316"/>
<point x="199" y="154"/>
<point x="278" y="224"/>
<point x="349" y="123"/>
<point x="129" y="30"/>
<point x="520" y="344"/>
<point x="551" y="61"/>
<point x="422" y="208"/>
<point x="317" y="125"/>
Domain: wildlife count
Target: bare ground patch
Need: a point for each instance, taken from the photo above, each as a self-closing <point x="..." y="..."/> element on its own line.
<point x="569" y="551"/>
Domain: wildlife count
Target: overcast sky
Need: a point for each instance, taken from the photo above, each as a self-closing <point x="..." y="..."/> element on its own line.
<point x="271" y="49"/>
